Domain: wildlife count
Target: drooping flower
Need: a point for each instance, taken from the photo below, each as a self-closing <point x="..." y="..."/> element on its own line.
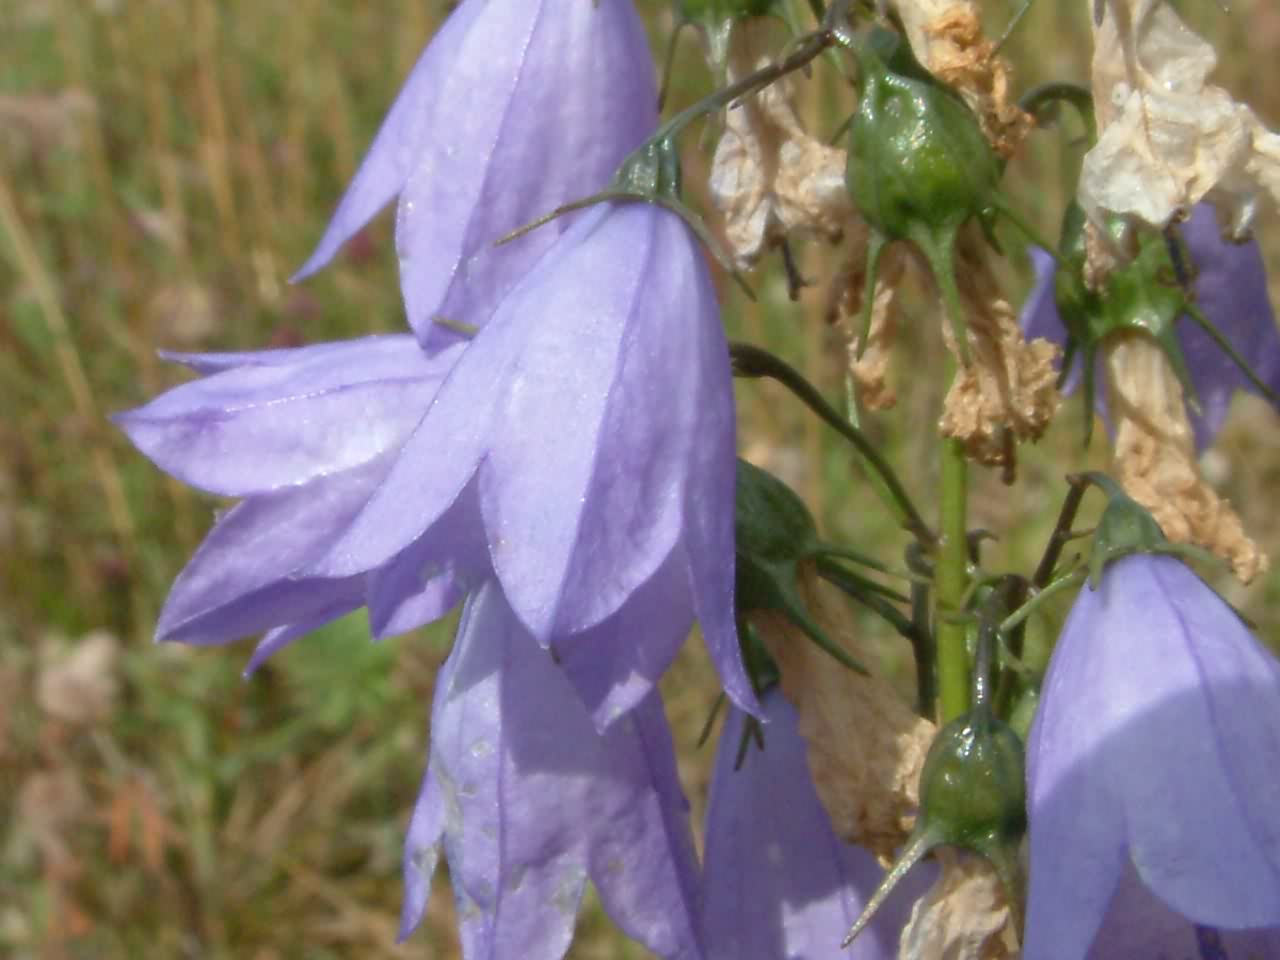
<point x="1152" y="754"/>
<point x="593" y="419"/>
<point x="304" y="436"/>
<point x="528" y="801"/>
<point x="515" y="107"/>
<point x="779" y="884"/>
<point x="1230" y="287"/>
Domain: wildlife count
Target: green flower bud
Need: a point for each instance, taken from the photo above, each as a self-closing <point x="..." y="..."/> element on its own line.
<point x="775" y="533"/>
<point x="919" y="165"/>
<point x="972" y="796"/>
<point x="972" y="788"/>
<point x="918" y="160"/>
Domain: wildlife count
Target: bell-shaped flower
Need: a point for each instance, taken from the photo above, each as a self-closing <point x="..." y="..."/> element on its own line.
<point x="528" y="802"/>
<point x="1230" y="286"/>
<point x="779" y="884"/>
<point x="593" y="419"/>
<point x="1153" y="753"/>
<point x="515" y="107"/>
<point x="304" y="436"/>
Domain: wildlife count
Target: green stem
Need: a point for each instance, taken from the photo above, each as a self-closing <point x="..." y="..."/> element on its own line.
<point x="1065" y="582"/>
<point x="950" y="582"/>
<point x="1029" y="233"/>
<point x="751" y="361"/>
<point x="923" y="644"/>
<point x="1035" y="100"/>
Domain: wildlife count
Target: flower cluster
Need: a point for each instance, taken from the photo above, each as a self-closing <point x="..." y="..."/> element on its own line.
<point x="568" y="467"/>
<point x="552" y="445"/>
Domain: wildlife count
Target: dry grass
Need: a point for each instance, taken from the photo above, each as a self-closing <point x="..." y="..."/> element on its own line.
<point x="163" y="167"/>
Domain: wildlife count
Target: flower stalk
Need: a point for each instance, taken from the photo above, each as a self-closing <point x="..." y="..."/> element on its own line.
<point x="951" y="581"/>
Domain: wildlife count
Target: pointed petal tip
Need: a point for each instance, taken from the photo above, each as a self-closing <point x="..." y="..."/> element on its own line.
<point x="313" y="265"/>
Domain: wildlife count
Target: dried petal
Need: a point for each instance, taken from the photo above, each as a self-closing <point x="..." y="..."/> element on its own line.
<point x="866" y="745"/>
<point x="1010" y="386"/>
<point x="1168" y="138"/>
<point x="964" y="916"/>
<point x="1155" y="455"/>
<point x="770" y="178"/>
<point x="946" y="36"/>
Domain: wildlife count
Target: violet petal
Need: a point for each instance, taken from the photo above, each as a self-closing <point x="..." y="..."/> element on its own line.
<point x="535" y="802"/>
<point x="256" y="428"/>
<point x="780" y="885"/>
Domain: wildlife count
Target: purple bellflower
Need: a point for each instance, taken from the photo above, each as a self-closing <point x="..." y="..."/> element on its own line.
<point x="515" y="107"/>
<point x="1230" y="289"/>
<point x="592" y="422"/>
<point x="304" y="436"/>
<point x="1151" y="762"/>
<point x="779" y="884"/>
<point x="528" y="801"/>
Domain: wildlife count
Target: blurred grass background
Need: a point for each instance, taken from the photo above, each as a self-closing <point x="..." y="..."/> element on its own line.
<point x="164" y="166"/>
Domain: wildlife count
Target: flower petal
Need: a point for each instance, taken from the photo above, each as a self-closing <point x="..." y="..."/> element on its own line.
<point x="343" y="603"/>
<point x="1159" y="714"/>
<point x="615" y="664"/>
<point x="248" y="576"/>
<point x="400" y="140"/>
<point x="779" y="884"/>
<point x="542" y="103"/>
<point x="535" y="801"/>
<point x="613" y="383"/>
<point x="1231" y="291"/>
<point x="429" y="577"/>
<point x="437" y="461"/>
<point x="1138" y="924"/>
<point x="256" y="428"/>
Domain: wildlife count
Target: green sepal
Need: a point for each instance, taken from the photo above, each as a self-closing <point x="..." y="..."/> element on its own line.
<point x="1150" y="294"/>
<point x="649" y="174"/>
<point x="1126" y="527"/>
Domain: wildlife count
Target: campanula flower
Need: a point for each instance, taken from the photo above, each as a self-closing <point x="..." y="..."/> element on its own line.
<point x="1153" y="753"/>
<point x="780" y="885"/>
<point x="304" y="436"/>
<point x="515" y="107"/>
<point x="528" y="802"/>
<point x="592" y="419"/>
<point x="1230" y="285"/>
